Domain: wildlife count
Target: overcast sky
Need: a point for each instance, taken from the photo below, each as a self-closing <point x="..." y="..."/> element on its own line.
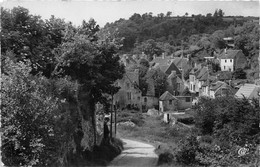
<point x="103" y="12"/>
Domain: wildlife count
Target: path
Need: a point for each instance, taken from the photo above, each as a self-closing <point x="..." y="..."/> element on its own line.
<point x="136" y="154"/>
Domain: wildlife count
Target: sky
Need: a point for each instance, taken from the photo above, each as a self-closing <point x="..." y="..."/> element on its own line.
<point x="111" y="10"/>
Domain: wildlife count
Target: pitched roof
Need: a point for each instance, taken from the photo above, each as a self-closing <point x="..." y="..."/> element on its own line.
<point x="224" y="75"/>
<point x="204" y="77"/>
<point x="202" y="72"/>
<point x="217" y="85"/>
<point x="167" y="69"/>
<point x="167" y="96"/>
<point x="248" y="90"/>
<point x="179" y="61"/>
<point x="162" y="60"/>
<point x="230" y="54"/>
<point x="172" y="67"/>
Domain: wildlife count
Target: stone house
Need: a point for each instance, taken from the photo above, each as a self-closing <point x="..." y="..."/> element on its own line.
<point x="184" y="102"/>
<point x="197" y="78"/>
<point x="219" y="89"/>
<point x="129" y="93"/>
<point x="230" y="60"/>
<point x="175" y="84"/>
<point x="167" y="102"/>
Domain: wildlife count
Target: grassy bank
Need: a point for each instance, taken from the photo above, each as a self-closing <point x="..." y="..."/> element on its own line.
<point x="153" y="130"/>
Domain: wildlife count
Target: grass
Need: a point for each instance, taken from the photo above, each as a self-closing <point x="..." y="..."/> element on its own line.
<point x="153" y="130"/>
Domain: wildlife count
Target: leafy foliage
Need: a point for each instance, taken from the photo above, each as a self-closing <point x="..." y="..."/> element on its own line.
<point x="32" y="122"/>
<point x="239" y="74"/>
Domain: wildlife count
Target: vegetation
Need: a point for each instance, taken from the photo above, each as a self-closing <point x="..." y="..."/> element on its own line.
<point x="53" y="75"/>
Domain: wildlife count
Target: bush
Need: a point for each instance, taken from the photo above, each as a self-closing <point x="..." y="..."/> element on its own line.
<point x="165" y="158"/>
<point x="36" y="128"/>
<point x="206" y="139"/>
<point x="187" y="150"/>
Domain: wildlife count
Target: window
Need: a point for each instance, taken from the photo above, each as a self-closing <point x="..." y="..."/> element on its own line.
<point x="187" y="99"/>
<point x="224" y="67"/>
<point x="129" y="95"/>
<point x="193" y="87"/>
<point x="230" y="60"/>
<point x="145" y="99"/>
<point x="170" y="102"/>
<point x="225" y="61"/>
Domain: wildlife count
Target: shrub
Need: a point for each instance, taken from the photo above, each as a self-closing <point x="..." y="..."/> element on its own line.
<point x="206" y="139"/>
<point x="36" y="128"/>
<point x="165" y="158"/>
<point x="187" y="150"/>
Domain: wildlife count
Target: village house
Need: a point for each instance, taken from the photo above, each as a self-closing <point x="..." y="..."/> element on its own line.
<point x="175" y="84"/>
<point x="168" y="102"/>
<point x="219" y="89"/>
<point x="129" y="93"/>
<point x="230" y="60"/>
<point x="197" y="78"/>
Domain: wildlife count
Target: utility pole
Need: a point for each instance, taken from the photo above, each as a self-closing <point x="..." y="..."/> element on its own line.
<point x="115" y="119"/>
<point x="111" y="118"/>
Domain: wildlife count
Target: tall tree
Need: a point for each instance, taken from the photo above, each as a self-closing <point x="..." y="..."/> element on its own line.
<point x="95" y="65"/>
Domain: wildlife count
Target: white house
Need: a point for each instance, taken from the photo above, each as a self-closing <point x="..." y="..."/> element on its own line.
<point x="231" y="60"/>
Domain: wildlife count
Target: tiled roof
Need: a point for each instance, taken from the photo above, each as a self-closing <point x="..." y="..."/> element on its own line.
<point x="224" y="75"/>
<point x="162" y="61"/>
<point x="216" y="85"/>
<point x="202" y="72"/>
<point x="230" y="54"/>
<point x="179" y="62"/>
<point x="247" y="90"/>
<point x="204" y="77"/>
<point x="132" y="76"/>
<point x="167" y="96"/>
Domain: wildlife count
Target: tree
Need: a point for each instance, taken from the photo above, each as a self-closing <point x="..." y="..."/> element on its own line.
<point x="150" y="48"/>
<point x="29" y="37"/>
<point x="95" y="65"/>
<point x="239" y="74"/>
<point x="33" y="132"/>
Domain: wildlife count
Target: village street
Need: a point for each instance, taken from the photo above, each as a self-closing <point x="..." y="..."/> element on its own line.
<point x="136" y="154"/>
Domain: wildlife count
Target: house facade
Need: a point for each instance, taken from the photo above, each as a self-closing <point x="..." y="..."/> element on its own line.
<point x="129" y="93"/>
<point x="230" y="60"/>
<point x="197" y="78"/>
<point x="170" y="103"/>
<point x="184" y="102"/>
<point x="167" y="102"/>
<point x="175" y="84"/>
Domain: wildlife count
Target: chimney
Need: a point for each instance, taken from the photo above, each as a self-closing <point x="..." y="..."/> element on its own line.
<point x="225" y="50"/>
<point x="163" y="55"/>
<point x="143" y="55"/>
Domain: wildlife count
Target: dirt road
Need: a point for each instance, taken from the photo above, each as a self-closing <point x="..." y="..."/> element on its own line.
<point x="136" y="154"/>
